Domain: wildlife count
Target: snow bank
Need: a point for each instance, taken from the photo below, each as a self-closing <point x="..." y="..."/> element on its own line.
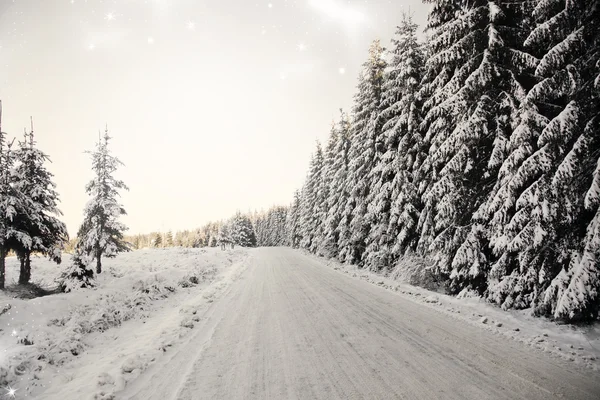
<point x="579" y="344"/>
<point x="90" y="343"/>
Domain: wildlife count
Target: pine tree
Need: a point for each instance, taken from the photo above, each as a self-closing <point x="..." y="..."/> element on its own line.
<point x="100" y="234"/>
<point x="394" y="203"/>
<point x="336" y="177"/>
<point x="365" y="151"/>
<point x="225" y="234"/>
<point x="242" y="231"/>
<point x="471" y="113"/>
<point x="313" y="202"/>
<point x="293" y="228"/>
<point x="12" y="204"/>
<point x="157" y="241"/>
<point x="169" y="239"/>
<point x="32" y="179"/>
<point x="568" y="282"/>
<point x="325" y="245"/>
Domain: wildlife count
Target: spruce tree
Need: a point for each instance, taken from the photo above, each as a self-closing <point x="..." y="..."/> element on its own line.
<point x="567" y="281"/>
<point x="394" y="201"/>
<point x="242" y="232"/>
<point x="101" y="233"/>
<point x="337" y="195"/>
<point x="157" y="240"/>
<point x="31" y="178"/>
<point x="365" y="151"/>
<point x="325" y="246"/>
<point x="169" y="239"/>
<point x="311" y="212"/>
<point x="471" y="113"/>
<point x="293" y="228"/>
<point x="12" y="204"/>
<point x="225" y="235"/>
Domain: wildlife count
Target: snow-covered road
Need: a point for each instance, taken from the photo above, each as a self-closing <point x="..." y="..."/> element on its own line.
<point x="291" y="328"/>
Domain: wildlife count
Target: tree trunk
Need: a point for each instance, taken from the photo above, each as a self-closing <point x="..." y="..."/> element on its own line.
<point x="23" y="269"/>
<point x="28" y="266"/>
<point x="2" y="266"/>
<point x="98" y="262"/>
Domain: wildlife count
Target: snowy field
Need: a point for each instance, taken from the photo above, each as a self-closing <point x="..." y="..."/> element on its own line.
<point x="89" y="344"/>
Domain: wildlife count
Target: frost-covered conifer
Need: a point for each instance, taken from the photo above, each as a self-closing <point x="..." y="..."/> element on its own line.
<point x="337" y="196"/>
<point x="12" y="204"/>
<point x="31" y="178"/>
<point x="292" y="223"/>
<point x="169" y="239"/>
<point x="569" y="86"/>
<point x="476" y="74"/>
<point x="366" y="147"/>
<point x="393" y="203"/>
<point x="101" y="233"/>
<point x="242" y="231"/>
<point x="312" y="203"/>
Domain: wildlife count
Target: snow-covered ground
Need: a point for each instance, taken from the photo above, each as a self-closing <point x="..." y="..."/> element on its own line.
<point x="292" y="328"/>
<point x="153" y="329"/>
<point x="577" y="344"/>
<point x="145" y="302"/>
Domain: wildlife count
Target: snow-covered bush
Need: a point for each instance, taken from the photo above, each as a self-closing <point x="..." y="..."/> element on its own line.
<point x="417" y="271"/>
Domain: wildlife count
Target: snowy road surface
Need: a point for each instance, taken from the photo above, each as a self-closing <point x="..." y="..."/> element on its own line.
<point x="293" y="328"/>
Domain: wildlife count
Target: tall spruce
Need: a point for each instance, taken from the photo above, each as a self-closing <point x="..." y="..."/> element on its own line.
<point x="12" y="204"/>
<point x="365" y="151"/>
<point x="242" y="231"/>
<point x="31" y="178"/>
<point x="394" y="203"/>
<point x="101" y="233"/>
<point x="568" y="275"/>
<point x="293" y="221"/>
<point x="312" y="203"/>
<point x="325" y="246"/>
<point x="337" y="196"/>
<point x="469" y="120"/>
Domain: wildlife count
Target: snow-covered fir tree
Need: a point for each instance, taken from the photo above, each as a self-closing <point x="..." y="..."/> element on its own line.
<point x="47" y="233"/>
<point x="169" y="239"/>
<point x="337" y="195"/>
<point x="12" y="204"/>
<point x="365" y="151"/>
<point x="225" y="236"/>
<point x="242" y="231"/>
<point x="157" y="241"/>
<point x="566" y="186"/>
<point x="313" y="202"/>
<point x="394" y="204"/>
<point x="470" y="117"/>
<point x="101" y="233"/>
<point x="292" y="222"/>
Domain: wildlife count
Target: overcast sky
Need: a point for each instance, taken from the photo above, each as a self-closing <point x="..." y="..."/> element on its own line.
<point x="214" y="106"/>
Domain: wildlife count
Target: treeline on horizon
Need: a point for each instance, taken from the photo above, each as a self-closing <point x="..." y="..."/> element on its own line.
<point x="252" y="229"/>
<point x="478" y="149"/>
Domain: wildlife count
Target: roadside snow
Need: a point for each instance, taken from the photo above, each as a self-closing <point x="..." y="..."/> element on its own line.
<point x="578" y="344"/>
<point x="90" y="343"/>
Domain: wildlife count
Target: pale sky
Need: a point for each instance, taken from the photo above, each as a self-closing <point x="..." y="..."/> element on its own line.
<point x="213" y="106"/>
